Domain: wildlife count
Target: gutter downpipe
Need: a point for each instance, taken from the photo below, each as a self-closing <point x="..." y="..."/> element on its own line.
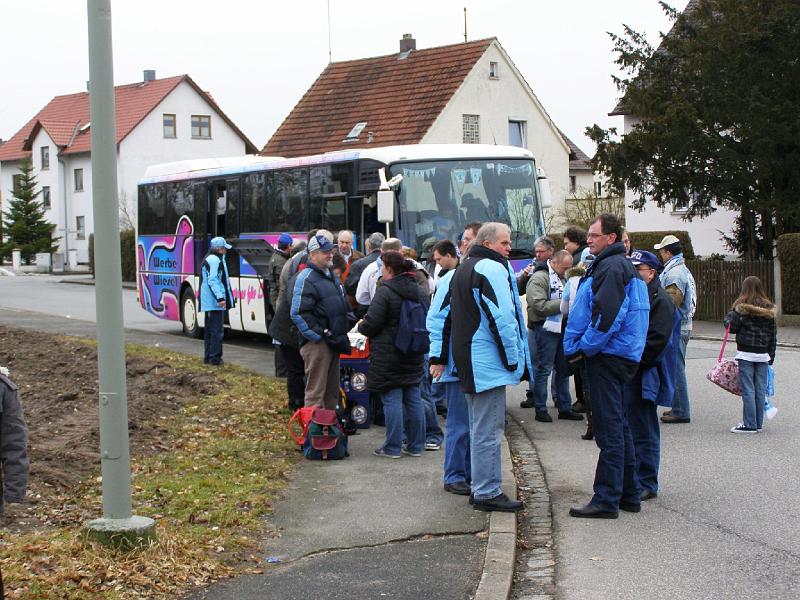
<point x="66" y="216"/>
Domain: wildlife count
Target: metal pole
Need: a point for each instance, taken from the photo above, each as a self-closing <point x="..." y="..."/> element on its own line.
<point x="117" y="526"/>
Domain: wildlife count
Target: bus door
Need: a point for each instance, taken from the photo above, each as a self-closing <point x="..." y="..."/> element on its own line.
<point x="223" y="221"/>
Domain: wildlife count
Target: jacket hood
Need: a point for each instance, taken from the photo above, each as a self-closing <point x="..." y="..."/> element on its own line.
<point x="756" y="311"/>
<point x="576" y="271"/>
<point x="405" y="285"/>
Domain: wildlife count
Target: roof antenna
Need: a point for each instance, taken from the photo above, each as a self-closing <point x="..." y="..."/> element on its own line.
<point x="465" y="23"/>
<point x="330" y="54"/>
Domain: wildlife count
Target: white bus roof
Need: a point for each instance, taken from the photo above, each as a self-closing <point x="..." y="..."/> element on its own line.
<point x="211" y="167"/>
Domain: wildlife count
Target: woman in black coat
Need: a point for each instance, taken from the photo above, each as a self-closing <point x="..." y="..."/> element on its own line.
<point x="396" y="376"/>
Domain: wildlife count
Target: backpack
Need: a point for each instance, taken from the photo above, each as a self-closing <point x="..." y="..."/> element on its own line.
<point x="412" y="334"/>
<point x="325" y="439"/>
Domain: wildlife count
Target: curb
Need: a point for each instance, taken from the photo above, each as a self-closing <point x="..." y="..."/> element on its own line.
<point x="711" y="338"/>
<point x="501" y="545"/>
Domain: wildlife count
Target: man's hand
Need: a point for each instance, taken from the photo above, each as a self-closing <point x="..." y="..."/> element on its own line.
<point x="221" y="303"/>
<point x="436" y="371"/>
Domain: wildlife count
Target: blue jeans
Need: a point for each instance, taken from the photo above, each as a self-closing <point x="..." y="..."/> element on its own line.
<point x="438" y="394"/>
<point x="456" y="426"/>
<point x="680" y="402"/>
<point x="547" y="344"/>
<point x="643" y="420"/>
<point x="212" y="337"/>
<point x="402" y="410"/>
<point x="753" y="381"/>
<point x="615" y="476"/>
<point x="433" y="431"/>
<point x="532" y="350"/>
<point x="487" y="420"/>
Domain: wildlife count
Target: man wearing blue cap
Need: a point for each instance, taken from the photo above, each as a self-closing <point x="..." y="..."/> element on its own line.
<point x="276" y="262"/>
<point x="216" y="297"/>
<point x="653" y="383"/>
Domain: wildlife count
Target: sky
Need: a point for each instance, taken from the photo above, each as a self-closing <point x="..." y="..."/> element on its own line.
<point x="258" y="57"/>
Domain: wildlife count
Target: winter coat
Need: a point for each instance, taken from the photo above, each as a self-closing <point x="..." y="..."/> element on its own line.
<point x="679" y="284"/>
<point x="580" y="253"/>
<point x="215" y="285"/>
<point x="611" y="310"/>
<point x="276" y="263"/>
<point x="659" y="327"/>
<point x="439" y="326"/>
<point x="658" y="381"/>
<point x="537" y="293"/>
<point x="320" y="310"/>
<point x="388" y="367"/>
<point x="490" y="346"/>
<point x="13" y="444"/>
<point x="356" y="269"/>
<point x="755" y="329"/>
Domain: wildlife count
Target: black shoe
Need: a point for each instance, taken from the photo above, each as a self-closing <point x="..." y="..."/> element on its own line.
<point x="527" y="403"/>
<point x="633" y="507"/>
<point x="471" y="498"/>
<point x="590" y="511"/>
<point x="461" y="488"/>
<point x="570" y="416"/>
<point x="670" y="418"/>
<point x="589" y="435"/>
<point x="501" y="503"/>
<point x="648" y="495"/>
<point x="543" y="416"/>
<point x="578" y="407"/>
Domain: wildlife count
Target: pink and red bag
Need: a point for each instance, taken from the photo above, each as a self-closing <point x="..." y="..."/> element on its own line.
<point x="725" y="373"/>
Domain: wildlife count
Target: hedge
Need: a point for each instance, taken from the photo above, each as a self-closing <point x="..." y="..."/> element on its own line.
<point x="643" y="240"/>
<point x="789" y="255"/>
<point x="127" y="248"/>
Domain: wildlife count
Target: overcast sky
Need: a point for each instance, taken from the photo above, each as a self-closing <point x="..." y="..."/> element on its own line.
<point x="258" y="57"/>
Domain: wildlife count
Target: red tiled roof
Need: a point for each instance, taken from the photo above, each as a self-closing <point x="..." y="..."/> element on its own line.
<point x="398" y="98"/>
<point x="64" y="114"/>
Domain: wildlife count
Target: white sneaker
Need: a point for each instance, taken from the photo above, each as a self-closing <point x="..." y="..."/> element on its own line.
<point x="432" y="446"/>
<point x="740" y="428"/>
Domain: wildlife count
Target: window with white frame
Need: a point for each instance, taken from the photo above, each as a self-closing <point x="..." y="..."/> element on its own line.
<point x="201" y="126"/>
<point x="170" y="127"/>
<point x="45" y="196"/>
<point x="472" y="130"/>
<point x="516" y="133"/>
<point x="45" y="153"/>
<point x="80" y="228"/>
<point x="78" y="180"/>
<point x="494" y="72"/>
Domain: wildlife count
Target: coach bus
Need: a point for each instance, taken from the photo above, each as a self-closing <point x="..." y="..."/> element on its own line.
<point x="411" y="192"/>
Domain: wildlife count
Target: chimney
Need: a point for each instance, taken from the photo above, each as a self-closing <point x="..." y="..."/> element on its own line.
<point x="149" y="75"/>
<point x="407" y="43"/>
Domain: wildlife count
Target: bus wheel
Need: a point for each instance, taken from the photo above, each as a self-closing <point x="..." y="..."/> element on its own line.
<point x="189" y="315"/>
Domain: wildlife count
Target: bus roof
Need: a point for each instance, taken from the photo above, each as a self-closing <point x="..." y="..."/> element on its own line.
<point x="215" y="167"/>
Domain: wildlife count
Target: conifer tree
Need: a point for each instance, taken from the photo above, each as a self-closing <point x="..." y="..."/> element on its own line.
<point x="24" y="224"/>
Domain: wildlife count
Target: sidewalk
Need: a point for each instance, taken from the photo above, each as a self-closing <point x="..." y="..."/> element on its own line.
<point x="788" y="336"/>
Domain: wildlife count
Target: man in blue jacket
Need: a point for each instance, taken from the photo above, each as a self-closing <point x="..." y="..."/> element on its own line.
<point x="322" y="315"/>
<point x="216" y="297"/>
<point x="608" y="326"/>
<point x="490" y="351"/>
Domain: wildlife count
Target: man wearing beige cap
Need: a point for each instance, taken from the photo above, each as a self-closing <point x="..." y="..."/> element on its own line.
<point x="679" y="284"/>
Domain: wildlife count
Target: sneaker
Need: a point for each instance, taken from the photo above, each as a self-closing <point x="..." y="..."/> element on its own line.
<point x="527" y="403"/>
<point x="432" y="446"/>
<point x="570" y="415"/>
<point x="740" y="428"/>
<point x="543" y="417"/>
<point x="408" y="452"/>
<point x="382" y="452"/>
<point x="578" y="407"/>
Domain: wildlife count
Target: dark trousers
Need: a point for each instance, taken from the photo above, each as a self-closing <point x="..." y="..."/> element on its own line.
<point x="643" y="421"/>
<point x="615" y="478"/>
<point x="214" y="330"/>
<point x="295" y="375"/>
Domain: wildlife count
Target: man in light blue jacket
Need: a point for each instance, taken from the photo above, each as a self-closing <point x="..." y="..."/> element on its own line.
<point x="216" y="297"/>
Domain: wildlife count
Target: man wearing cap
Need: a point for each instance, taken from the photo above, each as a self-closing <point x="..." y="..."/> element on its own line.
<point x="653" y="383"/>
<point x="679" y="284"/>
<point x="322" y="315"/>
<point x="276" y="262"/>
<point x="216" y="297"/>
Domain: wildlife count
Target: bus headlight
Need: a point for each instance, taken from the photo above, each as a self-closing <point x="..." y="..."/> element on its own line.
<point x="359" y="414"/>
<point x="358" y="382"/>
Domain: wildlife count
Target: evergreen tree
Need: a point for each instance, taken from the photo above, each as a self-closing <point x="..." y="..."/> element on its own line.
<point x="25" y="226"/>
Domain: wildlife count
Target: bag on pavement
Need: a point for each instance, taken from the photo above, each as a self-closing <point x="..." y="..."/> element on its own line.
<point x="325" y="437"/>
<point x="302" y="416"/>
<point x="725" y="373"/>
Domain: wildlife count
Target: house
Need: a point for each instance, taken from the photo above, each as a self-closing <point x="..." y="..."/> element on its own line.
<point x="706" y="233"/>
<point x="462" y="93"/>
<point x="157" y="120"/>
<point x="581" y="175"/>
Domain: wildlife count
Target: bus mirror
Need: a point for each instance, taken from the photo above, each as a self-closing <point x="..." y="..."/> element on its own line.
<point x="385" y="206"/>
<point x="544" y="189"/>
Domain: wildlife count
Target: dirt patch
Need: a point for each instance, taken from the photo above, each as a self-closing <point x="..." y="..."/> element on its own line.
<point x="58" y="383"/>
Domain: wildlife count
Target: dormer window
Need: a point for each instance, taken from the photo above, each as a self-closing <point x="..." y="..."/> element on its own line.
<point x="355" y="132"/>
<point x="494" y="72"/>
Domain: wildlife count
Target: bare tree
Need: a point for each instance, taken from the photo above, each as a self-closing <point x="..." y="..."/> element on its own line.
<point x="127" y="212"/>
<point x="582" y="209"/>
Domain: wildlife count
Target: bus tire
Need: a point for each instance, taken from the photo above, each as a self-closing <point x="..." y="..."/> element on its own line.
<point x="189" y="315"/>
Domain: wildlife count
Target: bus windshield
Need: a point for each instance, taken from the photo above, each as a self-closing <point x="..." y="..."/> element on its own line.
<point x="438" y="198"/>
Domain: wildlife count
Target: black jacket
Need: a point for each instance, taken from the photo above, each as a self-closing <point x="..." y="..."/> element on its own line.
<point x="755" y="329"/>
<point x="662" y="311"/>
<point x="576" y="256"/>
<point x="356" y="269"/>
<point x="13" y="445"/>
<point x="388" y="367"/>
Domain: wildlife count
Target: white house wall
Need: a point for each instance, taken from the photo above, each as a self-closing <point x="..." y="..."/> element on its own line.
<point x="498" y="101"/>
<point x="706" y="233"/>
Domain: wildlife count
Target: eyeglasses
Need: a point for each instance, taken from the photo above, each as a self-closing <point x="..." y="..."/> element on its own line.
<point x="592" y="236"/>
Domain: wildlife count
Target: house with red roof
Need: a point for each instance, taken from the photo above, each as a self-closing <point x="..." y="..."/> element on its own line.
<point x="461" y="93"/>
<point x="157" y="121"/>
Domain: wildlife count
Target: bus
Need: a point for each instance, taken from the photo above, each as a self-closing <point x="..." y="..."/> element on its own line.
<point x="414" y="192"/>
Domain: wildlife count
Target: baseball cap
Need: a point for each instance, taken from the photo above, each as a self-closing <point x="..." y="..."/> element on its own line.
<point x="643" y="257"/>
<point x="427" y="247"/>
<point x="319" y="243"/>
<point x="667" y="241"/>
<point x="285" y="240"/>
<point x="219" y="242"/>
